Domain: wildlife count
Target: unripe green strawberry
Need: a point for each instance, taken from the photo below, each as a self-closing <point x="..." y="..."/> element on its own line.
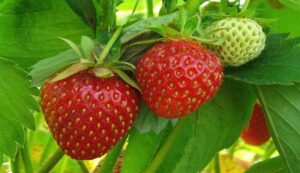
<point x="244" y="40"/>
<point x="88" y="115"/>
<point x="178" y="77"/>
<point x="257" y="132"/>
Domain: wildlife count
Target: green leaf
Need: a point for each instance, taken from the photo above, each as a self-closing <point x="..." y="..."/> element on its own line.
<point x="73" y="69"/>
<point x="126" y="78"/>
<point x="147" y="121"/>
<point x="143" y="26"/>
<point x="177" y="151"/>
<point x="16" y="105"/>
<point x="215" y="126"/>
<point x="140" y="150"/>
<point x="293" y="4"/>
<point x="29" y="29"/>
<point x="287" y="18"/>
<point x="86" y="10"/>
<point x="47" y="67"/>
<point x="88" y="47"/>
<point x="278" y="64"/>
<point x="273" y="165"/>
<point x="282" y="109"/>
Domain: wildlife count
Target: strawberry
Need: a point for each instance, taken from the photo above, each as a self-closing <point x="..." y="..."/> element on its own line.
<point x="88" y="115"/>
<point x="244" y="40"/>
<point x="177" y="77"/>
<point x="257" y="132"/>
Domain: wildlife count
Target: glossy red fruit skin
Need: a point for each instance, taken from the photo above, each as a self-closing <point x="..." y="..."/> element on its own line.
<point x="178" y="77"/>
<point x="257" y="132"/>
<point x="88" y="115"/>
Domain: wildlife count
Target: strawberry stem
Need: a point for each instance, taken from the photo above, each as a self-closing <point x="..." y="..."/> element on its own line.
<point x="269" y="150"/>
<point x="163" y="151"/>
<point x="53" y="160"/>
<point x="82" y="166"/>
<point x="46" y="150"/>
<point x="109" y="45"/>
<point x="14" y="164"/>
<point x="26" y="157"/>
<point x="150" y="8"/>
<point x="112" y="157"/>
<point x="217" y="163"/>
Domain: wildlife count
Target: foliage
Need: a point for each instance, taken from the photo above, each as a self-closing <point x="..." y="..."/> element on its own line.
<point x="29" y="29"/>
<point x="281" y="104"/>
<point x="280" y="53"/>
<point x="29" y="32"/>
<point x="16" y="107"/>
<point x="268" y="166"/>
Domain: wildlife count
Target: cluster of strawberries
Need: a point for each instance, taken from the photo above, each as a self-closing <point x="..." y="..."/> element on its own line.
<point x="88" y="115"/>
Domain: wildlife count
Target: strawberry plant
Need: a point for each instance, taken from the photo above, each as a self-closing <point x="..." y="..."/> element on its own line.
<point x="155" y="86"/>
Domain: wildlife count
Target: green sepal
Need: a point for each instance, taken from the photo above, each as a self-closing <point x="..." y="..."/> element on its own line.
<point x="45" y="68"/>
<point x="88" y="48"/>
<point x="166" y="31"/>
<point x="126" y="78"/>
<point x="121" y="64"/>
<point x="144" y="42"/>
<point x="73" y="69"/>
<point x="73" y="46"/>
<point x="103" y="72"/>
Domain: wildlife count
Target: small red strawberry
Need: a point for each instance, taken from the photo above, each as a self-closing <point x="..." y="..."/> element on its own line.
<point x="88" y="115"/>
<point x="257" y="132"/>
<point x="177" y="77"/>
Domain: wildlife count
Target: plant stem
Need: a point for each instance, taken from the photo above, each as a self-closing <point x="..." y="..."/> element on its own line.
<point x="192" y="6"/>
<point x="26" y="157"/>
<point x="46" y="150"/>
<point x="232" y="149"/>
<point x="31" y="134"/>
<point x="163" y="151"/>
<point x="270" y="150"/>
<point x="110" y="44"/>
<point x="82" y="166"/>
<point x="150" y="8"/>
<point x="217" y="163"/>
<point x="63" y="165"/>
<point x="14" y="164"/>
<point x="111" y="158"/>
<point x="53" y="160"/>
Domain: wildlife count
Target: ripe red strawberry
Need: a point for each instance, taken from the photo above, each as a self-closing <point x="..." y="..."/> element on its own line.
<point x="257" y="132"/>
<point x="88" y="115"/>
<point x="178" y="77"/>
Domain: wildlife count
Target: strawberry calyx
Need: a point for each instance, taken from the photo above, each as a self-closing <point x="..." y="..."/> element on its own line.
<point x="88" y="52"/>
